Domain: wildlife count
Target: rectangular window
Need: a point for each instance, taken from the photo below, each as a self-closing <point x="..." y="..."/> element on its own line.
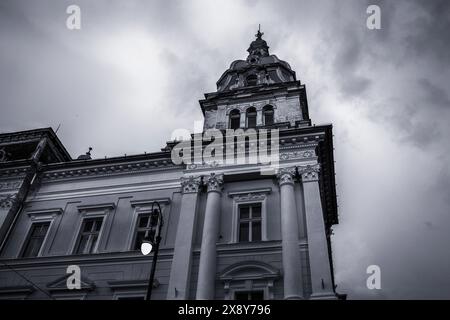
<point x="250" y="222"/>
<point x="235" y="121"/>
<point x="35" y="239"/>
<point x="251" y="120"/>
<point x="88" y="238"/>
<point x="249" y="295"/>
<point x="144" y="229"/>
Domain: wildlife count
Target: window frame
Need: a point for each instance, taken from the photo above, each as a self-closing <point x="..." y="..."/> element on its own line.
<point x="28" y="238"/>
<point x="144" y="207"/>
<point x="234" y="114"/>
<point x="37" y="216"/>
<point x="243" y="197"/>
<point x="81" y="231"/>
<point x="254" y="114"/>
<point x="103" y="210"/>
<point x="140" y="229"/>
<point x="265" y="109"/>
<point x="249" y="221"/>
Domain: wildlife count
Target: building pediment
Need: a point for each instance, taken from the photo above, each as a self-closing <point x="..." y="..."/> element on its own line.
<point x="249" y="270"/>
<point x="60" y="284"/>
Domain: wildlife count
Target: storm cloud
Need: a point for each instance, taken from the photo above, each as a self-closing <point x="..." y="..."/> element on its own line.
<point x="136" y="70"/>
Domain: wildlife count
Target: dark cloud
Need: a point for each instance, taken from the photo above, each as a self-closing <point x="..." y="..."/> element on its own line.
<point x="386" y="92"/>
<point x="428" y="31"/>
<point x="434" y="96"/>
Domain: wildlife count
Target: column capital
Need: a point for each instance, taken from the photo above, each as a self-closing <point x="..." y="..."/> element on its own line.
<point x="310" y="172"/>
<point x="214" y="182"/>
<point x="286" y="175"/>
<point x="190" y="184"/>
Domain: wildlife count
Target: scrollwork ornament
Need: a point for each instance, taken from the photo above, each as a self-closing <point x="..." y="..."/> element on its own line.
<point x="7" y="201"/>
<point x="310" y="172"/>
<point x="215" y="182"/>
<point x="190" y="184"/>
<point x="286" y="176"/>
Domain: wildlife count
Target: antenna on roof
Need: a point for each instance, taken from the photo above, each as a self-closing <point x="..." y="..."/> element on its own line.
<point x="59" y="125"/>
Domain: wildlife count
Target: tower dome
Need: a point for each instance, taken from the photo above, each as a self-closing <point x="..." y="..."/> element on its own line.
<point x="260" y="68"/>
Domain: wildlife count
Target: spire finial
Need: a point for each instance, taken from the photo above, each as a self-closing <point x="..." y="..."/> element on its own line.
<point x="259" y="34"/>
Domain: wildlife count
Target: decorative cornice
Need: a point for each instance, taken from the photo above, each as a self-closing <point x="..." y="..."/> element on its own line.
<point x="286" y="176"/>
<point x="21" y="136"/>
<point x="14" y="172"/>
<point x="107" y="170"/>
<point x="214" y="182"/>
<point x="190" y="184"/>
<point x="309" y="172"/>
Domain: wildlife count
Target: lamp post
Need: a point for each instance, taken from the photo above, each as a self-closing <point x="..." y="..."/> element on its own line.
<point x="156" y="220"/>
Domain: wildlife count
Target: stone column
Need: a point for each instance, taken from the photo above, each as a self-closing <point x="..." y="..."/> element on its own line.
<point x="322" y="286"/>
<point x="243" y="119"/>
<point x="292" y="271"/>
<point x="207" y="269"/>
<point x="259" y="117"/>
<point x="182" y="257"/>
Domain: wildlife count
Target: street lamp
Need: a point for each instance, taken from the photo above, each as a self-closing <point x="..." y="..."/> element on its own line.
<point x="151" y="241"/>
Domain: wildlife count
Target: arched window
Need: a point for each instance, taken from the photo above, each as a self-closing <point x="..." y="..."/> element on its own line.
<point x="251" y="117"/>
<point x="268" y="115"/>
<point x="252" y="80"/>
<point x="235" y="119"/>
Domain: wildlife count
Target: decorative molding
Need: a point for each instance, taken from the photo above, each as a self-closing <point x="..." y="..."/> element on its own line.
<point x="286" y="176"/>
<point x="296" y="155"/>
<point x="96" y="207"/>
<point x="309" y="172"/>
<point x="214" y="182"/>
<point x="106" y="170"/>
<point x="18" y="172"/>
<point x="10" y="185"/>
<point x="106" y="190"/>
<point x="148" y="202"/>
<point x="249" y="275"/>
<point x="3" y="155"/>
<point x="44" y="213"/>
<point x="261" y="270"/>
<point x="7" y="201"/>
<point x="204" y="164"/>
<point x="21" y="136"/>
<point x="190" y="184"/>
<point x="249" y="195"/>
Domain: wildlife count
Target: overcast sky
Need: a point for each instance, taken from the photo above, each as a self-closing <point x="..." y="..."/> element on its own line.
<point x="136" y="70"/>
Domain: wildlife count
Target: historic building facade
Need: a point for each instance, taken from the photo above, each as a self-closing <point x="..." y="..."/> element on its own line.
<point x="230" y="232"/>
